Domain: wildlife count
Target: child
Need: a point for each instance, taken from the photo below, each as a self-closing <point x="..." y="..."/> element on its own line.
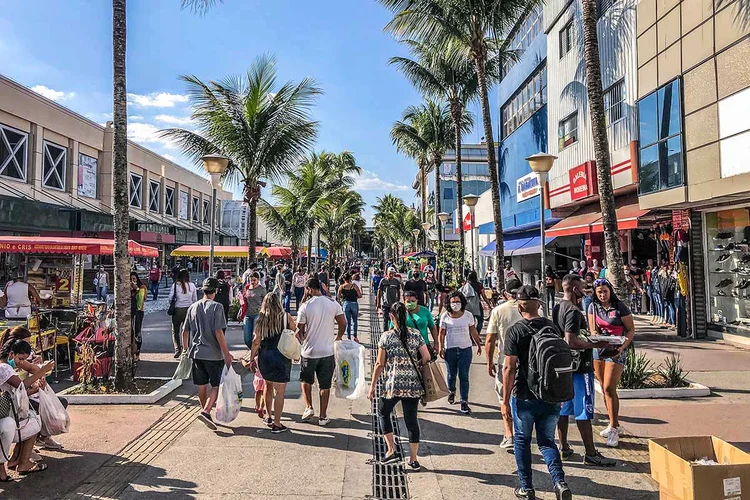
<point x="259" y="384"/>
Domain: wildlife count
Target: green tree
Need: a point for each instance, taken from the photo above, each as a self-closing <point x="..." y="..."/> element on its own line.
<point x="263" y="128"/>
<point x="394" y="222"/>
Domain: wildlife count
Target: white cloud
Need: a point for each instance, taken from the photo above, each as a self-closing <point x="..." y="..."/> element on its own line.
<point x="369" y="181"/>
<point x="157" y="100"/>
<point x="54" y="95"/>
<point x="148" y="134"/>
<point x="135" y="118"/>
<point x="180" y="121"/>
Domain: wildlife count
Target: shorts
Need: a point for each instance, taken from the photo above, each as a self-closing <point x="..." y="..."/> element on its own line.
<point x="207" y="371"/>
<point x="582" y="405"/>
<point x="620" y="359"/>
<point x="322" y="368"/>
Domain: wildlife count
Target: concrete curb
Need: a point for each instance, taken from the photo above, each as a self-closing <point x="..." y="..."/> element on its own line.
<point x="114" y="399"/>
<point x="695" y="390"/>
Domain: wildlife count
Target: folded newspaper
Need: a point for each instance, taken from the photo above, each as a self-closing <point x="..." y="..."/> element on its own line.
<point x="607" y="338"/>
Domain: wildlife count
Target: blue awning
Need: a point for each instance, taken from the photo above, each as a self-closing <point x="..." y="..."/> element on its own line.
<point x="533" y="246"/>
<point x="489" y="227"/>
<point x="521" y="245"/>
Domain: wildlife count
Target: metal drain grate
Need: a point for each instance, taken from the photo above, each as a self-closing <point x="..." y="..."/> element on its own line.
<point x="388" y="481"/>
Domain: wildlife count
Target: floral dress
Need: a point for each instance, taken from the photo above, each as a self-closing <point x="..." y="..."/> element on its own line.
<point x="400" y="375"/>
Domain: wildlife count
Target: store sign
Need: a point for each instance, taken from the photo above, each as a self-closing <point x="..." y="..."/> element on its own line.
<point x="582" y="181"/>
<point x="527" y="187"/>
<point x="87" y="167"/>
<point x="183" y="205"/>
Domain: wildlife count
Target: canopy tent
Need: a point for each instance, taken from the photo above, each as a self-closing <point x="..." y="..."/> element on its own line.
<point x="233" y="251"/>
<point x="322" y="253"/>
<point x="70" y="246"/>
<point x="409" y="255"/>
<point x="425" y="254"/>
<point x="279" y="252"/>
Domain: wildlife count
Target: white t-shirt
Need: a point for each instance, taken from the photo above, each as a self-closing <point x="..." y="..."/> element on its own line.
<point x="318" y="313"/>
<point x="501" y="318"/>
<point x="457" y="330"/>
<point x="184" y="299"/>
<point x="6" y="372"/>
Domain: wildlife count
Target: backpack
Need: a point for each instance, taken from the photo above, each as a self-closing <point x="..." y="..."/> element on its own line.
<point x="550" y="373"/>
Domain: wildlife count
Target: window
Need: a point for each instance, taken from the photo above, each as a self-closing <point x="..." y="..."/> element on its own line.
<point x="53" y="166"/>
<point x="524" y="34"/>
<point x="660" y="164"/>
<point x="567" y="131"/>
<point x="154" y="189"/>
<point x="603" y="6"/>
<point x="566" y="38"/>
<point x="195" y="212"/>
<point x="87" y="175"/>
<point x="169" y="201"/>
<point x="13" y="148"/>
<point x="527" y="101"/>
<point x="206" y="212"/>
<point x="447" y="193"/>
<point x="136" y="196"/>
<point x="614" y="103"/>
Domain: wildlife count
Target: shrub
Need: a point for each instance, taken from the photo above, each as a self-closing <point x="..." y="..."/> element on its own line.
<point x="638" y="372"/>
<point x="672" y="372"/>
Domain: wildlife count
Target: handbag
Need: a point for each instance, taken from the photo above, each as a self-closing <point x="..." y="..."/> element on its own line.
<point x="433" y="383"/>
<point x="289" y="346"/>
<point x="173" y="300"/>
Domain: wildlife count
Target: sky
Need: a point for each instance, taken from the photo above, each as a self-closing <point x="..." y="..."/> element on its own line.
<point x="63" y="50"/>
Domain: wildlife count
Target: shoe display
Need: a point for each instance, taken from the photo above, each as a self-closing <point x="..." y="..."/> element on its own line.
<point x="723" y="257"/>
<point x="562" y="492"/>
<point x="745" y="259"/>
<point x="599" y="460"/>
<point x="721" y="293"/>
<point x="724" y="283"/>
<point x="731" y="247"/>
<point x="723" y="235"/>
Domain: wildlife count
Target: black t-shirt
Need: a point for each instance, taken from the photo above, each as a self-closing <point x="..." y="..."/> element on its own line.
<point x="323" y="278"/>
<point x="288" y="278"/>
<point x="390" y="292"/>
<point x="517" y="343"/>
<point x="419" y="287"/>
<point x="569" y="318"/>
<point x="222" y="295"/>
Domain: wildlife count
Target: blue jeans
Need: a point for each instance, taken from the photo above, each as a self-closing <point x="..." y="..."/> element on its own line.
<point x="154" y="289"/>
<point x="351" y="312"/>
<point x="670" y="316"/>
<point x="458" y="362"/>
<point x="288" y="300"/>
<point x="299" y="292"/>
<point x="528" y="414"/>
<point x="101" y="293"/>
<point x="586" y="303"/>
<point x="248" y="329"/>
<point x="658" y="304"/>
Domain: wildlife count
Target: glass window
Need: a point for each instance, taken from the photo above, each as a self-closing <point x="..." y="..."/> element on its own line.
<point x="668" y="99"/>
<point x="154" y="189"/>
<point x="670" y="159"/>
<point x="567" y="131"/>
<point x="13" y="149"/>
<point x="523" y="35"/>
<point x="648" y="170"/>
<point x="647" y="120"/>
<point x="136" y="187"/>
<point x="206" y="212"/>
<point x="527" y="101"/>
<point x="566" y="38"/>
<point x="54" y="166"/>
<point x="614" y="102"/>
<point x="603" y="6"/>
<point x="448" y="193"/>
<point x="169" y="201"/>
<point x="195" y="212"/>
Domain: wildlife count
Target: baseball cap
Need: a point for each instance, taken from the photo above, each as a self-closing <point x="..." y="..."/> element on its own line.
<point x="210" y="284"/>
<point x="391" y="270"/>
<point x="512" y="285"/>
<point x="527" y="292"/>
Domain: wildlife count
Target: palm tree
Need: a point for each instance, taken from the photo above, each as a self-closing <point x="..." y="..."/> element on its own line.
<point x="601" y="146"/>
<point x="340" y="220"/>
<point x="394" y="222"/>
<point x="264" y="129"/>
<point x="406" y="136"/>
<point x="474" y="26"/>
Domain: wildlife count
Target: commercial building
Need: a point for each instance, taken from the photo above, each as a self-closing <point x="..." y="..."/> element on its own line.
<point x="694" y="120"/>
<point x="56" y="179"/>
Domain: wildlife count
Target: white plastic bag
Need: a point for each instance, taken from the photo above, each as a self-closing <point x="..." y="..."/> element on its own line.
<point x="230" y="396"/>
<point x="289" y="346"/>
<point x="55" y="418"/>
<point x="349" y="378"/>
<point x="184" y="368"/>
<point x="21" y="402"/>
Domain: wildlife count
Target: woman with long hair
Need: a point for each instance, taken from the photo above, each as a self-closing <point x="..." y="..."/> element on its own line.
<point x="609" y="316"/>
<point x="184" y="293"/>
<point x="401" y="351"/>
<point x="274" y="366"/>
<point x="137" y="300"/>
<point x="474" y="298"/>
<point x="350" y="294"/>
<point x="298" y="284"/>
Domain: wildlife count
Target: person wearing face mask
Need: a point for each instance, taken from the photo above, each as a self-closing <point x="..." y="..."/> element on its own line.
<point x="420" y="318"/>
<point x="431" y="291"/>
<point x="457" y="331"/>
<point x="389" y="292"/>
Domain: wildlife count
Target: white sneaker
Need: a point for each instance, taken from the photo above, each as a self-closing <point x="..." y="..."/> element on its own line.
<point x="613" y="439"/>
<point x="507" y="442"/>
<point x="605" y="432"/>
<point x="324" y="421"/>
<point x="308" y="414"/>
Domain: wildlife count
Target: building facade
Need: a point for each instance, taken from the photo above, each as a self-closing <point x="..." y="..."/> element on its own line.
<point x="56" y="179"/>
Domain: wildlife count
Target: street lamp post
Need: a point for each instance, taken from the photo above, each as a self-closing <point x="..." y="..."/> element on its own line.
<point x="471" y="200"/>
<point x="443" y="218"/>
<point x="426" y="226"/>
<point x="416" y="232"/>
<point x="215" y="165"/>
<point x="541" y="164"/>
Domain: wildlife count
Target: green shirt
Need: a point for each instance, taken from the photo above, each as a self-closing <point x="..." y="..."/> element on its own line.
<point x="424" y="321"/>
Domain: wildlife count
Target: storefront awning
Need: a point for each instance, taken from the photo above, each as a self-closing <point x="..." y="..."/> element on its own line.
<point x="70" y="246"/>
<point x="526" y="245"/>
<point x="509" y="244"/>
<point x="533" y="246"/>
<point x="578" y="223"/>
<point x="219" y="251"/>
<point x="627" y="218"/>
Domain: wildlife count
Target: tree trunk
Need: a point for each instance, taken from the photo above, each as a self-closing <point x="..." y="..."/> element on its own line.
<point x="423" y="190"/>
<point x="492" y="164"/>
<point x="310" y="251"/>
<point x="317" y="250"/>
<point x="601" y="147"/>
<point x="124" y="376"/>
<point x="456" y="112"/>
<point x="252" y="229"/>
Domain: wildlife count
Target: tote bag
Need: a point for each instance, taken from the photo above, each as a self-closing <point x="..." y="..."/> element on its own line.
<point x="289" y="346"/>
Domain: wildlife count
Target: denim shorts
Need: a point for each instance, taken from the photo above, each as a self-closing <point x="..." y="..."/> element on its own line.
<point x="620" y="359"/>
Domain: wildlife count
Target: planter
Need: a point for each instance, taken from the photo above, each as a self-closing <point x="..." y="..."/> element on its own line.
<point x="694" y="390"/>
<point x="115" y="399"/>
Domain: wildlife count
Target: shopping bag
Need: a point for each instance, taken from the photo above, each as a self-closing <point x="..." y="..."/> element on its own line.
<point x="289" y="346"/>
<point x="435" y="387"/>
<point x="230" y="396"/>
<point x="349" y="378"/>
<point x="55" y="418"/>
<point x="184" y="368"/>
<point x="21" y="402"/>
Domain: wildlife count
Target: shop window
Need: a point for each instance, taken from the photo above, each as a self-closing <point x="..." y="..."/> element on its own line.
<point x="661" y="164"/>
<point x="614" y="103"/>
<point x="195" y="212"/>
<point x="136" y="188"/>
<point x="169" y="201"/>
<point x="206" y="212"/>
<point x="566" y="39"/>
<point x="154" y="190"/>
<point x="567" y="131"/>
<point x="13" y="149"/>
<point x="528" y="100"/>
<point x="54" y="166"/>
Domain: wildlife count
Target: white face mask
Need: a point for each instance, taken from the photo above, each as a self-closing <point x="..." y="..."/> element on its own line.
<point x="456" y="306"/>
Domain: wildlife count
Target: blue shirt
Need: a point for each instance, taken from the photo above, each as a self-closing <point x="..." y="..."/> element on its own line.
<point x="376" y="282"/>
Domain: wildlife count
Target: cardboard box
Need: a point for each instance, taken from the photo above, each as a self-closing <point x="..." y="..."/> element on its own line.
<point x="679" y="479"/>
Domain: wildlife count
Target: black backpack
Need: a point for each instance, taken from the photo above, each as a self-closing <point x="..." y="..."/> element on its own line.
<point x="551" y="367"/>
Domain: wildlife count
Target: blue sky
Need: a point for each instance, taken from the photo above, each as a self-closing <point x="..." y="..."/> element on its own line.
<point x="63" y="50"/>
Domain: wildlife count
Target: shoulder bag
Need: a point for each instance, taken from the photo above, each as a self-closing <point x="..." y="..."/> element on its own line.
<point x="173" y="300"/>
<point x="430" y="378"/>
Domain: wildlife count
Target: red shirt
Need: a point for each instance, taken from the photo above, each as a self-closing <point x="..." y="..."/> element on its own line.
<point x="154" y="274"/>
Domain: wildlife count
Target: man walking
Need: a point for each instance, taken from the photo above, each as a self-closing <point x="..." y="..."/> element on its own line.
<point x="315" y="319"/>
<point x="389" y="292"/>
<point x="288" y="275"/>
<point x="569" y="319"/>
<point x="204" y="328"/>
<point x="528" y="411"/>
<point x="154" y="277"/>
<point x="417" y="285"/>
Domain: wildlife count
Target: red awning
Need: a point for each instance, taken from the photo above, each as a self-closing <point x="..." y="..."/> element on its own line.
<point x="279" y="252"/>
<point x="627" y="218"/>
<point x="70" y="246"/>
<point x="589" y="220"/>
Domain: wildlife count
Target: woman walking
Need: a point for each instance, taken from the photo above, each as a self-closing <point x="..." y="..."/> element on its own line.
<point x="401" y="351"/>
<point x="474" y="297"/>
<point x="457" y="331"/>
<point x="609" y="316"/>
<point x="431" y="282"/>
<point x="254" y="294"/>
<point x="298" y="283"/>
<point x="549" y="284"/>
<point x="274" y="366"/>
<point x="101" y="282"/>
<point x="350" y="293"/>
<point x="183" y="293"/>
<point x="137" y="299"/>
